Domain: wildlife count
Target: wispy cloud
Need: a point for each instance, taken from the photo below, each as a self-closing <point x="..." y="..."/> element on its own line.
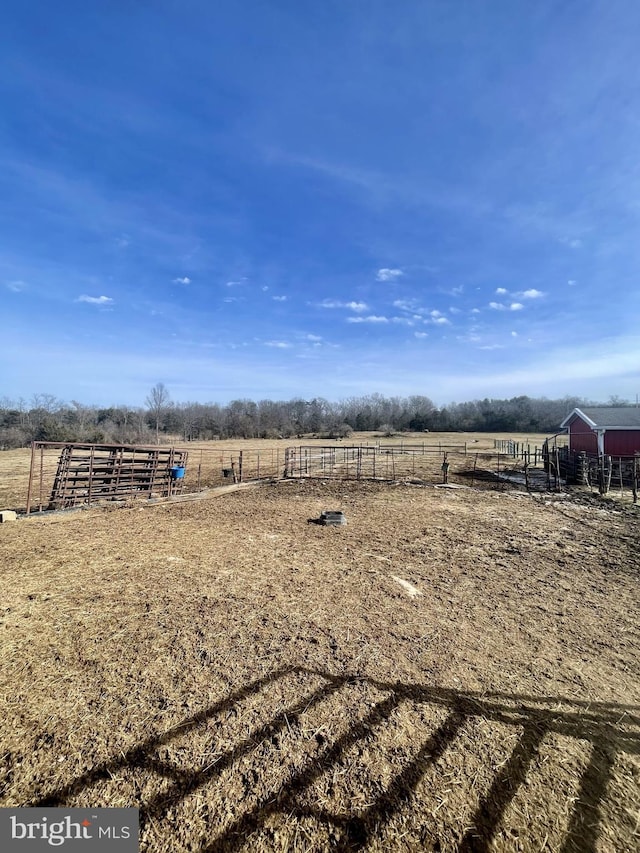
<point x="95" y="300"/>
<point x="314" y="338"/>
<point x="334" y="303"/>
<point x="532" y="293"/>
<point x="182" y="280"/>
<point x="420" y="335"/>
<point x="16" y="286"/>
<point x="499" y="306"/>
<point x="386" y="274"/>
<point x="279" y="298"/>
<point x="278" y="344"/>
<point x="411" y="305"/>
<point x="372" y="318"/>
<point x="239" y="282"/>
<point x="572" y="242"/>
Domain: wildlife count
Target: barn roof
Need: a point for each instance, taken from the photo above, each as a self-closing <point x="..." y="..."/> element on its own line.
<point x="606" y="417"/>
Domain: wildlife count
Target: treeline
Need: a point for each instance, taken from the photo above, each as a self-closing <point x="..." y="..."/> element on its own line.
<point x="46" y="418"/>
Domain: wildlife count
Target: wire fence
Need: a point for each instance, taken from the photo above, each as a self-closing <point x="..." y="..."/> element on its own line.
<point x="64" y="475"/>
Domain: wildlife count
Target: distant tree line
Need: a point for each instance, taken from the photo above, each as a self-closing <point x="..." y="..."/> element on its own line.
<point x="46" y="418"/>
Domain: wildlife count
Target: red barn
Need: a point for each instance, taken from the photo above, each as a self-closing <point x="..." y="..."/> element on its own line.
<point x="613" y="430"/>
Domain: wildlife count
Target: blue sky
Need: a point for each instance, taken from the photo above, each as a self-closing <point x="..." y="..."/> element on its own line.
<point x="278" y="199"/>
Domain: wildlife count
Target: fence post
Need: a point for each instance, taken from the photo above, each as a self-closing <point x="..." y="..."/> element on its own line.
<point x="620" y="473"/>
<point x="33" y="452"/>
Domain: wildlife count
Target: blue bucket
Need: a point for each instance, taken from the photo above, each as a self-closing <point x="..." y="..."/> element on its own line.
<point x="177" y="472"/>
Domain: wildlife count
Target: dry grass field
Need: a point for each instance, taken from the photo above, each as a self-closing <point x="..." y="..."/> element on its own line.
<point x="263" y="457"/>
<point x="453" y="670"/>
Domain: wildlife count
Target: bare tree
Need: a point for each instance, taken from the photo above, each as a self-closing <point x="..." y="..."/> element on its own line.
<point x="46" y="402"/>
<point x="157" y="401"/>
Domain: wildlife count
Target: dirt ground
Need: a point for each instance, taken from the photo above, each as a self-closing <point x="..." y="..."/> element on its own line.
<point x="453" y="670"/>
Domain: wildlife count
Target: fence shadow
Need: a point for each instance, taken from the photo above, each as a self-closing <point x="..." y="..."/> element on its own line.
<point x="609" y="727"/>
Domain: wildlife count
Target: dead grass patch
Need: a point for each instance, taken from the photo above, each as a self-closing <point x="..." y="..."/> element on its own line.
<point x="256" y="682"/>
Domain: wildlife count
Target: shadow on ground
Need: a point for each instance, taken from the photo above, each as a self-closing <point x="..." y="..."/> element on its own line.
<point x="608" y="727"/>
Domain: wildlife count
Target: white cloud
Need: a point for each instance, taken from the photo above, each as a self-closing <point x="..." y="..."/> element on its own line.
<point x="16" y="286"/>
<point x="183" y="280"/>
<point x="407" y="305"/>
<point x="457" y="291"/>
<point x="95" y="300"/>
<point x="499" y="306"/>
<point x="435" y="313"/>
<point x="239" y="282"/>
<point x="514" y="334"/>
<point x="475" y="310"/>
<point x="370" y="319"/>
<point x="453" y="310"/>
<point x="572" y="282"/>
<point x="492" y="346"/>
<point x="531" y="294"/>
<point x="334" y="303"/>
<point x="501" y="291"/>
<point x="441" y="321"/>
<point x="313" y="337"/>
<point x="420" y="335"/>
<point x="406" y="321"/>
<point x="386" y="274"/>
<point x="231" y="283"/>
<point x="278" y="344"/>
<point x="279" y="298"/>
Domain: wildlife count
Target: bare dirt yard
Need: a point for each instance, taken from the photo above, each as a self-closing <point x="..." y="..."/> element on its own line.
<point x="453" y="670"/>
